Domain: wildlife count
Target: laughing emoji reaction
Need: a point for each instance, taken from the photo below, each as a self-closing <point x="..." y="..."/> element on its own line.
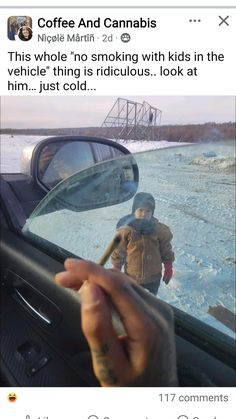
<point x="12" y="397"/>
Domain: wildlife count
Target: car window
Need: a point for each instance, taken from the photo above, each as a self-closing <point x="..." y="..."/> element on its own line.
<point x="105" y="152"/>
<point x="194" y="191"/>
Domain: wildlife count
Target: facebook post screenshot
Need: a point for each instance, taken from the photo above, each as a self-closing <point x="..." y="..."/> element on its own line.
<point x="118" y="251"/>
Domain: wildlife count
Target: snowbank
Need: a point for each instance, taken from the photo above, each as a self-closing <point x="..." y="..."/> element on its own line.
<point x="215" y="163"/>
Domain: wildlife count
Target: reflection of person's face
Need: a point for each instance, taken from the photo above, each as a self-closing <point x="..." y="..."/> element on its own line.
<point x="45" y="158"/>
<point x="143" y="213"/>
<point x="26" y="33"/>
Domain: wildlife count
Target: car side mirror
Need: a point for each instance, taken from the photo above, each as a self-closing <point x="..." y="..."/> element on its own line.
<point x="101" y="185"/>
<point x="57" y="158"/>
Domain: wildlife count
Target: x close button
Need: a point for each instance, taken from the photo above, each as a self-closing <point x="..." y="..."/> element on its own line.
<point x="223" y="20"/>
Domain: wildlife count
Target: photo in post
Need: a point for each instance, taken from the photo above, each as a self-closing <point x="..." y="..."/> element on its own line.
<point x="176" y="237"/>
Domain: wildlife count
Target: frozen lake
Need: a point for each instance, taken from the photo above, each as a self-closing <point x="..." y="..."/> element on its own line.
<point x="194" y="189"/>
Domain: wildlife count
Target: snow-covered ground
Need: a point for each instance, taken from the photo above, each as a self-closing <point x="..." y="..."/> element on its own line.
<point x="194" y="189"/>
<point x="12" y="145"/>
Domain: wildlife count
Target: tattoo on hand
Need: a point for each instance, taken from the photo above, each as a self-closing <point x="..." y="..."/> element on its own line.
<point x="105" y="373"/>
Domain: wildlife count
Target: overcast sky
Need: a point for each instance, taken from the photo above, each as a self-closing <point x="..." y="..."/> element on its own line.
<point x="71" y="112"/>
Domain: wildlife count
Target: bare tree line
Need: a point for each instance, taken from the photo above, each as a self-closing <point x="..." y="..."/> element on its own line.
<point x="182" y="133"/>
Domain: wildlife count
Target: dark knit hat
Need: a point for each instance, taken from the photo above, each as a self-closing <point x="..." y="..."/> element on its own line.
<point x="143" y="200"/>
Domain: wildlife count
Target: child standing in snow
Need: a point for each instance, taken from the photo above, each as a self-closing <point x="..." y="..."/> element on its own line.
<point x="145" y="245"/>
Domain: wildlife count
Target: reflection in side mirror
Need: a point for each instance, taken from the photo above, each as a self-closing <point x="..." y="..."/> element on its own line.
<point x="104" y="184"/>
<point x="58" y="158"/>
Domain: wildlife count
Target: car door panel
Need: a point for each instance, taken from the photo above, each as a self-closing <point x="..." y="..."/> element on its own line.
<point x="30" y="359"/>
<point x="220" y="374"/>
<point x="23" y="194"/>
<point x="47" y="317"/>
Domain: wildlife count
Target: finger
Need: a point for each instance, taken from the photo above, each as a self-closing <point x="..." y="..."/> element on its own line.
<point x="68" y="280"/>
<point x="132" y="309"/>
<point x="110" y="363"/>
<point x="107" y="352"/>
<point x="74" y="281"/>
<point x="148" y="327"/>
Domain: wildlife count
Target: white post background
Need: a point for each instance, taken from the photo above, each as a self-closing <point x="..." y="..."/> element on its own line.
<point x="174" y="33"/>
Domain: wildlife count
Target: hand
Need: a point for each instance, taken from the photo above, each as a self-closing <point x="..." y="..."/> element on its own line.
<point x="145" y="354"/>
<point x="168" y="272"/>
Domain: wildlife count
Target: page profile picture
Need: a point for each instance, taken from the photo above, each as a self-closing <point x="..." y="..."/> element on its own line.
<point x="19" y="28"/>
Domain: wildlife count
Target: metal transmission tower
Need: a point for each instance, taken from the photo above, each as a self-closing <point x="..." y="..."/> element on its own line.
<point x="131" y="120"/>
